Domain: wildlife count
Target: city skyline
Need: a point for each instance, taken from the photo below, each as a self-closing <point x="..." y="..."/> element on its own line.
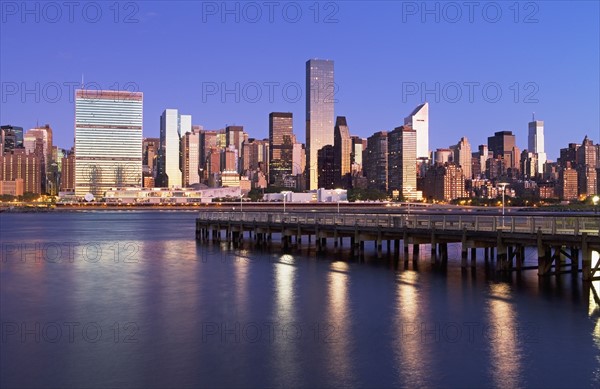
<point x="375" y="91"/>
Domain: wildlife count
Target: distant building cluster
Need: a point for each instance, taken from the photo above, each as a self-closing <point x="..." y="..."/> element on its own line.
<point x="111" y="159"/>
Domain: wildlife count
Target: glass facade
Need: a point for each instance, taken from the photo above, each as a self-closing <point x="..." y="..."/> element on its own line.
<point x="342" y="144"/>
<point x="172" y="126"/>
<point x="536" y="143"/>
<point x="320" y="97"/>
<point x="108" y="140"/>
<point x="281" y="146"/>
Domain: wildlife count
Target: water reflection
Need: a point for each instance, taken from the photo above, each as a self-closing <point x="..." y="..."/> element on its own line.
<point x="594" y="308"/>
<point x="336" y="330"/>
<point x="412" y="348"/>
<point x="502" y="335"/>
<point x="241" y="268"/>
<point x="285" y="352"/>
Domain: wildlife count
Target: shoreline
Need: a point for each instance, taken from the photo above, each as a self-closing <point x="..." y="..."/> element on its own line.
<point x="299" y="207"/>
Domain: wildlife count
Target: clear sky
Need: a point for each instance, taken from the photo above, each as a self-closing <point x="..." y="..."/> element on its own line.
<point x="492" y="63"/>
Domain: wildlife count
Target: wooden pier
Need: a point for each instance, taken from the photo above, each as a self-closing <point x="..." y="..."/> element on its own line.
<point x="560" y="241"/>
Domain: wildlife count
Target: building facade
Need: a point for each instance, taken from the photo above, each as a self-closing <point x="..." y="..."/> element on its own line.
<point x="172" y="126"/>
<point x="419" y="121"/>
<point x="402" y="161"/>
<point x="281" y="146"/>
<point x="108" y="140"/>
<point x="375" y="159"/>
<point x="320" y="97"/>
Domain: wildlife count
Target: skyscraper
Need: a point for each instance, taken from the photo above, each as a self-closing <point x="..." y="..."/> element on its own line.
<point x="503" y="145"/>
<point x="42" y="135"/>
<point x="190" y="154"/>
<point x="281" y="146"/>
<point x="149" y="155"/>
<point x="462" y="156"/>
<point x="342" y="149"/>
<point x="320" y="90"/>
<point x="375" y="161"/>
<point x="402" y="161"/>
<point x="172" y="126"/>
<point x="326" y="166"/>
<point x="419" y="121"/>
<point x="108" y="140"/>
<point x="208" y="140"/>
<point x="234" y="137"/>
<point x="15" y="135"/>
<point x="67" y="171"/>
<point x="535" y="143"/>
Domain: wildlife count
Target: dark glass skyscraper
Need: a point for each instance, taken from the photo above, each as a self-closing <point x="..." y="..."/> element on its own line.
<point x="13" y="137"/>
<point x="503" y="145"/>
<point x="281" y="146"/>
<point x="320" y="90"/>
<point x="376" y="161"/>
<point x="342" y="144"/>
<point x="326" y="166"/>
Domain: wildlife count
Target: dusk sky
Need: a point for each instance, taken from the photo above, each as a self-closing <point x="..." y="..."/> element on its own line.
<point x="542" y="57"/>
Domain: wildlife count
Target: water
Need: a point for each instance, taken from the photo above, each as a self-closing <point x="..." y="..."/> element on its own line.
<point x="129" y="299"/>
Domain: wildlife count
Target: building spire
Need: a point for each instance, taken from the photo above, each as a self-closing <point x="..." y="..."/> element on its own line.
<point x="533" y="117"/>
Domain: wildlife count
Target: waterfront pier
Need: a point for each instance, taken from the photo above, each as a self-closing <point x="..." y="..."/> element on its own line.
<point x="563" y="243"/>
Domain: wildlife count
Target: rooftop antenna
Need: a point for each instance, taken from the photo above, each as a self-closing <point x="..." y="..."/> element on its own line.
<point x="82" y="81"/>
<point x="533" y="117"/>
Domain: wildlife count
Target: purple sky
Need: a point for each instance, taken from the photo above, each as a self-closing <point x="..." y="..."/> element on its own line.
<point x="540" y="57"/>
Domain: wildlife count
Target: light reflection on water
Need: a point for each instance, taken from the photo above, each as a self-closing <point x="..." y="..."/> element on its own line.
<point x="338" y="323"/>
<point x="504" y="341"/>
<point x="411" y="345"/>
<point x="371" y="323"/>
<point x="286" y="358"/>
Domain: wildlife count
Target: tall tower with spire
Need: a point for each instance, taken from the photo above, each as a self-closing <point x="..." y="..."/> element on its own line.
<point x="535" y="142"/>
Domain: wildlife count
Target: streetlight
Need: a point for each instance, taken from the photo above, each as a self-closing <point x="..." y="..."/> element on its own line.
<point x="285" y="193"/>
<point x="338" y="191"/>
<point x="241" y="203"/>
<point x="503" y="186"/>
<point x="595" y="200"/>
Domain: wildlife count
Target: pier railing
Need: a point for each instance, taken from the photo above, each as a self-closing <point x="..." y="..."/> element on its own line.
<point x="556" y="225"/>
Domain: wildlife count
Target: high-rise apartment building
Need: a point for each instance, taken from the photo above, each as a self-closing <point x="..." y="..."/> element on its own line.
<point x="444" y="183"/>
<point x="567" y="184"/>
<point x="67" y="172"/>
<point x="190" y="158"/>
<point x="18" y="164"/>
<point x="375" y="161"/>
<point x="150" y="148"/>
<point x="419" y="121"/>
<point x="462" y="157"/>
<point x="108" y="140"/>
<point x="320" y="89"/>
<point x="586" y="153"/>
<point x="568" y="155"/>
<point x="529" y="164"/>
<point x="235" y="137"/>
<point x="402" y="161"/>
<point x="208" y="140"/>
